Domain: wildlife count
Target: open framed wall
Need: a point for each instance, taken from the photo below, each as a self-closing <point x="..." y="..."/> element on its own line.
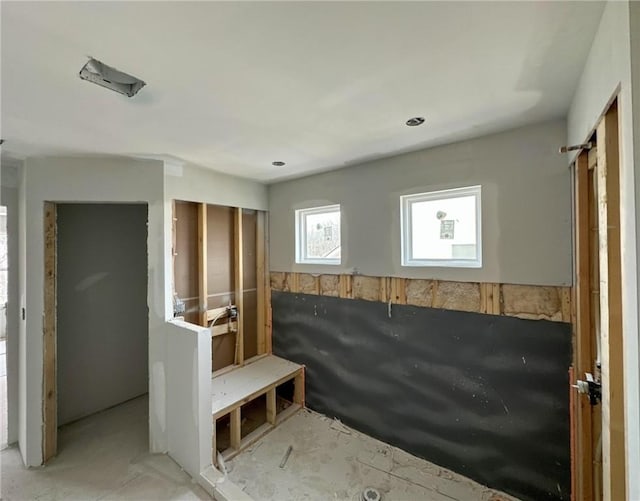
<point x="220" y="278"/>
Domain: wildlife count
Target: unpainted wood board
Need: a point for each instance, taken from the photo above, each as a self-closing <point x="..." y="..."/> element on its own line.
<point x="219" y="254"/>
<point x="533" y="302"/>
<point x="250" y="325"/>
<point x="460" y="296"/>
<point x="262" y="281"/>
<point x="330" y="285"/>
<point x="202" y="263"/>
<point x="308" y="284"/>
<point x="367" y="288"/>
<point x="419" y="292"/>
<point x="49" y="402"/>
<point x="238" y="236"/>
<point x="249" y="259"/>
<point x="278" y="281"/>
<point x="186" y="259"/>
<point x="613" y="429"/>
<point x="223" y="351"/>
<point x="583" y="332"/>
<point x="238" y="384"/>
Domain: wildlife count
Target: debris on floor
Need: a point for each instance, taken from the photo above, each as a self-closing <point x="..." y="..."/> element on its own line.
<point x="342" y="466"/>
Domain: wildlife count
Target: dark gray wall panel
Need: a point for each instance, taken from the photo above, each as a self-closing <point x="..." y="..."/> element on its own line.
<point x="483" y="395"/>
<point x="103" y="316"/>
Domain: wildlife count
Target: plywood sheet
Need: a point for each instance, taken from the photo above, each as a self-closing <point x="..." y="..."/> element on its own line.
<point x="220" y="263"/>
<point x="419" y="292"/>
<point x="308" y="284"/>
<point x="249" y="222"/>
<point x="461" y="296"/>
<point x="279" y="281"/>
<point x="186" y="259"/>
<point x="238" y="384"/>
<point x="533" y="302"/>
<point x="223" y="350"/>
<point x="250" y="325"/>
<point x="330" y="285"/>
<point x="367" y="288"/>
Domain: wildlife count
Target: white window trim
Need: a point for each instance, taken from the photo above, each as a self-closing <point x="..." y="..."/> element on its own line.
<point x="301" y="232"/>
<point x="406" y="237"/>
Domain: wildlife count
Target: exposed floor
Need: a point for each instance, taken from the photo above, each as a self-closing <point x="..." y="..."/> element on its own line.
<point x="104" y="456"/>
<point x="332" y="461"/>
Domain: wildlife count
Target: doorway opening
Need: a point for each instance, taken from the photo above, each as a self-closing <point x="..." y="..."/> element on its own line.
<point x="96" y="314"/>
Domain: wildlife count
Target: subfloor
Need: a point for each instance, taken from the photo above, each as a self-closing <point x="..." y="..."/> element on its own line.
<point x="104" y="456"/>
<point x="330" y="461"/>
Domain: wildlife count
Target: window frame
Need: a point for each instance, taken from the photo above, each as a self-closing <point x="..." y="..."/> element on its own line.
<point x="406" y="236"/>
<point x="301" y="235"/>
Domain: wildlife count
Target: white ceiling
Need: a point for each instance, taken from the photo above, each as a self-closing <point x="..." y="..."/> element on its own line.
<point x="235" y="86"/>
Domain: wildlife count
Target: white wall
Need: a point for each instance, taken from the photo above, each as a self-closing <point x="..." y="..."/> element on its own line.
<point x="189" y="396"/>
<point x="607" y="72"/>
<point x="89" y="180"/>
<point x="108" y="179"/>
<point x="526" y="208"/>
<point x="9" y="179"/>
<point x="196" y="184"/>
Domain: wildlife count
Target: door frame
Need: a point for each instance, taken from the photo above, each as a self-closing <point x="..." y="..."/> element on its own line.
<point x="599" y="275"/>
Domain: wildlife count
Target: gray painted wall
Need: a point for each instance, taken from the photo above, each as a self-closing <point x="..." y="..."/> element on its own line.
<point x="526" y="208"/>
<point x="102" y="307"/>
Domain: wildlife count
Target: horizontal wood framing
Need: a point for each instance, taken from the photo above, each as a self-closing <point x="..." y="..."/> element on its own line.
<point x="533" y="302"/>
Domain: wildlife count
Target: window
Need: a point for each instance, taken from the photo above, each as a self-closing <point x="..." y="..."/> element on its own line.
<point x="318" y="235"/>
<point x="442" y="228"/>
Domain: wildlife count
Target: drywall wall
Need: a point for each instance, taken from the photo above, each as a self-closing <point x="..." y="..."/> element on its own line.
<point x="108" y="179"/>
<point x="608" y="72"/>
<point x="526" y="208"/>
<point x="98" y="179"/>
<point x="196" y="184"/>
<point x="482" y="395"/>
<point x="102" y="322"/>
<point x="189" y="396"/>
<point x="9" y="179"/>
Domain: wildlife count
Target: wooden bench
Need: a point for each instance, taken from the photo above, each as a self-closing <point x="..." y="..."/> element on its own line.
<point x="231" y="390"/>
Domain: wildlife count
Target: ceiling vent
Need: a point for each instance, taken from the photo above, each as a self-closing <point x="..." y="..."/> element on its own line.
<point x="106" y="76"/>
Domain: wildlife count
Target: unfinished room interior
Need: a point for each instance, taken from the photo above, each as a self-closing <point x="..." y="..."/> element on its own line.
<point x="282" y="251"/>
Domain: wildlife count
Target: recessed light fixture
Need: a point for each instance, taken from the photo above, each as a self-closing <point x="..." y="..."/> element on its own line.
<point x="110" y="78"/>
<point x="277" y="163"/>
<point x="415" y="121"/>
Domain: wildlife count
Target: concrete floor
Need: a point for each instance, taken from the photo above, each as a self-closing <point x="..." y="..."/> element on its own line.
<point x="104" y="456"/>
<point x="332" y="462"/>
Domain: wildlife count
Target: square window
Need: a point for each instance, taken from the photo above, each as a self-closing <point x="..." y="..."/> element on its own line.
<point x="442" y="228"/>
<point x="318" y="235"/>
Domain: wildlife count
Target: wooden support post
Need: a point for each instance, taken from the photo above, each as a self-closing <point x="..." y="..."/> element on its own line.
<point x="294" y="282"/>
<point x="239" y="285"/>
<point x="271" y="406"/>
<point x="613" y="433"/>
<point x="583" y="356"/>
<point x="398" y="290"/>
<point x="262" y="283"/>
<point x="496" y="308"/>
<point x="202" y="263"/>
<point x="298" y="392"/>
<point x="235" y="428"/>
<point x="49" y="402"/>
<point x="214" y="444"/>
<point x="346" y="290"/>
<point x="174" y="240"/>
